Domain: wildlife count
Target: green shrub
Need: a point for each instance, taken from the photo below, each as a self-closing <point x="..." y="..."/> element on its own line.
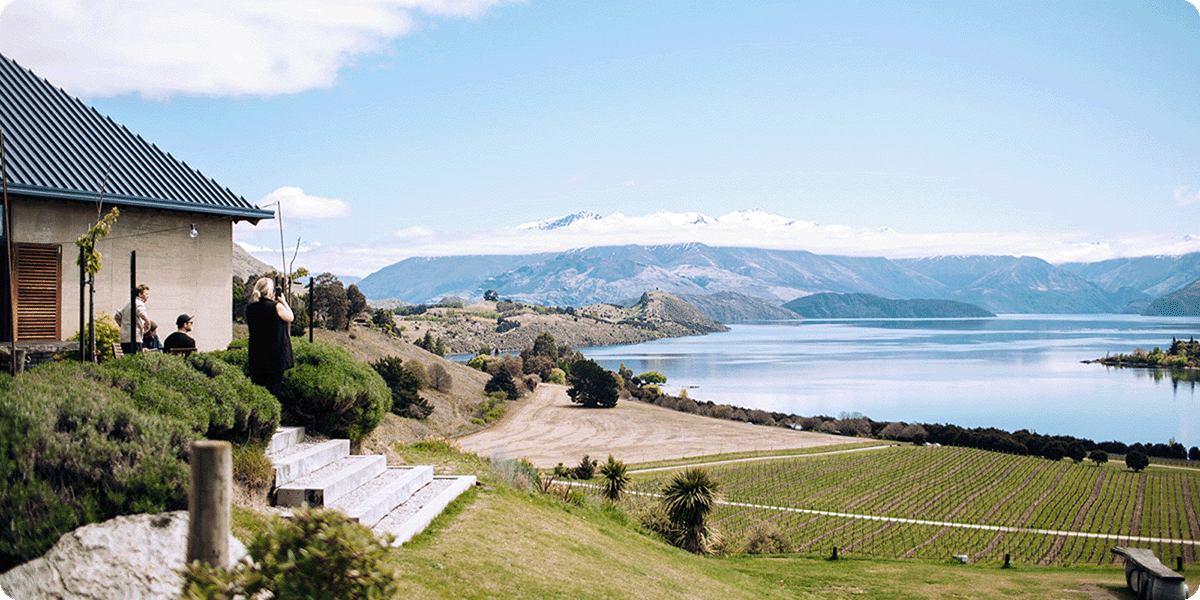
<point x="251" y="467"/>
<point x="317" y="554"/>
<point x="492" y="408"/>
<point x="586" y="468"/>
<point x="479" y="363"/>
<point x="406" y="401"/>
<point x="502" y="382"/>
<point x="331" y="393"/>
<point x="213" y="397"/>
<point x="765" y="539"/>
<point x="107" y="334"/>
<point x="652" y="377"/>
<point x="73" y="452"/>
<point x="558" y="376"/>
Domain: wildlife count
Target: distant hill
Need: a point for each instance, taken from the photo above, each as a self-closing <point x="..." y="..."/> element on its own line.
<point x="865" y="306"/>
<point x="1151" y="276"/>
<point x="1000" y="284"/>
<point x="245" y="265"/>
<point x="732" y="307"/>
<point x="1180" y="303"/>
<point x="1012" y="284"/>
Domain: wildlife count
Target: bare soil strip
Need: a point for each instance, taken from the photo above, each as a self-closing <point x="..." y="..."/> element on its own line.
<point x="547" y="429"/>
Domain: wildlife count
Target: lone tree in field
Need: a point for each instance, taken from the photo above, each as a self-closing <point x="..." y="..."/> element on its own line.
<point x="1098" y="456"/>
<point x="689" y="497"/>
<point x="1137" y="460"/>
<point x="592" y="385"/>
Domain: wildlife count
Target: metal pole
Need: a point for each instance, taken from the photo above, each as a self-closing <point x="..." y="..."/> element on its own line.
<point x="310" y="309"/>
<point x="133" y="301"/>
<point x="82" y="308"/>
<point x="209" y="499"/>
<point x="8" y="235"/>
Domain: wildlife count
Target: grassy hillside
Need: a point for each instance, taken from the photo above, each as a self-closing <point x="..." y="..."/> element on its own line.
<point x="498" y="541"/>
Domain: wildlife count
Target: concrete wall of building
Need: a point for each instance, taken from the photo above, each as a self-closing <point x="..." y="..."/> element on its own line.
<point x="185" y="274"/>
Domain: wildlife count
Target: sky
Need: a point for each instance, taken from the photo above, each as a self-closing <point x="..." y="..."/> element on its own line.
<point x="385" y="129"/>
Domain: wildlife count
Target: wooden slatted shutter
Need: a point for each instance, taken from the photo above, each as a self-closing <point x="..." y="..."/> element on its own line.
<point x="39" y="285"/>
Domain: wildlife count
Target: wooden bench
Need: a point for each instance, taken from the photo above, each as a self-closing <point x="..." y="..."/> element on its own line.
<point x="117" y="351"/>
<point x="184" y="352"/>
<point x="1149" y="578"/>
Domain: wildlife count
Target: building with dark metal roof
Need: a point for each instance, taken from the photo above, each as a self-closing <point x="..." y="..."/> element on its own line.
<point x="63" y="165"/>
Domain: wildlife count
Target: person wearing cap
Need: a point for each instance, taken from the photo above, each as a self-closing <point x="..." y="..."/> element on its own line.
<point x="180" y="340"/>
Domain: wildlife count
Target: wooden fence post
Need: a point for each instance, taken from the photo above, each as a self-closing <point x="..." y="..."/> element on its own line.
<point x="209" y="499"/>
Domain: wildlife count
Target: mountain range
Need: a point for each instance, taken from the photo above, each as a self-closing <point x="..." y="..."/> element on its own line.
<point x="1000" y="284"/>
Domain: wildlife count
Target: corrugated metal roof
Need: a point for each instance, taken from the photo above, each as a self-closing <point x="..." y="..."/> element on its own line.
<point x="57" y="147"/>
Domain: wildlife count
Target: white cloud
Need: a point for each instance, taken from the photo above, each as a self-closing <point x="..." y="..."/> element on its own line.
<point x="295" y="204"/>
<point x="1186" y="195"/>
<point x="158" y="48"/>
<point x="415" y="231"/>
<point x="754" y="228"/>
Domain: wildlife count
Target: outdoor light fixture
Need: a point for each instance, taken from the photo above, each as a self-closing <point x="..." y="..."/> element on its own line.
<point x="193" y="233"/>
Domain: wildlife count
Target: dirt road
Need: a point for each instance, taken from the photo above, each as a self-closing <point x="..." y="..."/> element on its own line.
<point x="547" y="429"/>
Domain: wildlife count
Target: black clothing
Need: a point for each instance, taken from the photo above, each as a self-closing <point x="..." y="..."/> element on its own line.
<point x="150" y="342"/>
<point x="178" y="339"/>
<point x="269" y="348"/>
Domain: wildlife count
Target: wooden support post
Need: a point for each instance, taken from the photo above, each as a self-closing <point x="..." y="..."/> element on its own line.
<point x="834" y="557"/>
<point x="209" y="499"/>
<point x="18" y="367"/>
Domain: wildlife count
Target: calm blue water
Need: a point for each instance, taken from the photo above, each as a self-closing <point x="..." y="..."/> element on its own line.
<point x="1011" y="372"/>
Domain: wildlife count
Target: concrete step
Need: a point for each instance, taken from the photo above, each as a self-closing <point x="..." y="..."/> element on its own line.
<point x="284" y="438"/>
<point x="374" y="499"/>
<point x="332" y="481"/>
<point x="306" y="457"/>
<point x="412" y="517"/>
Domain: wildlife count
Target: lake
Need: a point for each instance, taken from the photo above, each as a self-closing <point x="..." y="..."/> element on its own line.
<point x="1011" y="372"/>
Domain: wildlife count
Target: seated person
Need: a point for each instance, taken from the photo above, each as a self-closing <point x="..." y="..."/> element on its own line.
<point x="150" y="341"/>
<point x="180" y="340"/>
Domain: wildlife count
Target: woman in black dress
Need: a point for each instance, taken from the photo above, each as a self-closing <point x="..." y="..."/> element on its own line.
<point x="270" y="345"/>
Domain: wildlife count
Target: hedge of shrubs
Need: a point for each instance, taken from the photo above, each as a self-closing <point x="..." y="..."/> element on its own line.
<point x="328" y="391"/>
<point x="214" y="398"/>
<point x="73" y="452"/>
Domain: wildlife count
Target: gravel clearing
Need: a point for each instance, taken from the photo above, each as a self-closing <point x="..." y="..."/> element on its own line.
<point x="547" y="428"/>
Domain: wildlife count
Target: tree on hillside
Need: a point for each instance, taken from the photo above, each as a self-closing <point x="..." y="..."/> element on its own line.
<point x="329" y="303"/>
<point x="1137" y="460"/>
<point x="545" y="345"/>
<point x="406" y="401"/>
<point x="1098" y="456"/>
<point x="689" y="498"/>
<point x="501" y="381"/>
<point x="356" y="302"/>
<point x="382" y="318"/>
<point x="439" y="377"/>
<point x="491" y="295"/>
<point x="592" y="385"/>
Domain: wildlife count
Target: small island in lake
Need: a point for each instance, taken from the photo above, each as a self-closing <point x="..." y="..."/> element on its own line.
<point x="867" y="306"/>
<point x="1180" y="355"/>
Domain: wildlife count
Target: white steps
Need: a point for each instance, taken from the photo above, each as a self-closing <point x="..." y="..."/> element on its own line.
<point x="401" y="500"/>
